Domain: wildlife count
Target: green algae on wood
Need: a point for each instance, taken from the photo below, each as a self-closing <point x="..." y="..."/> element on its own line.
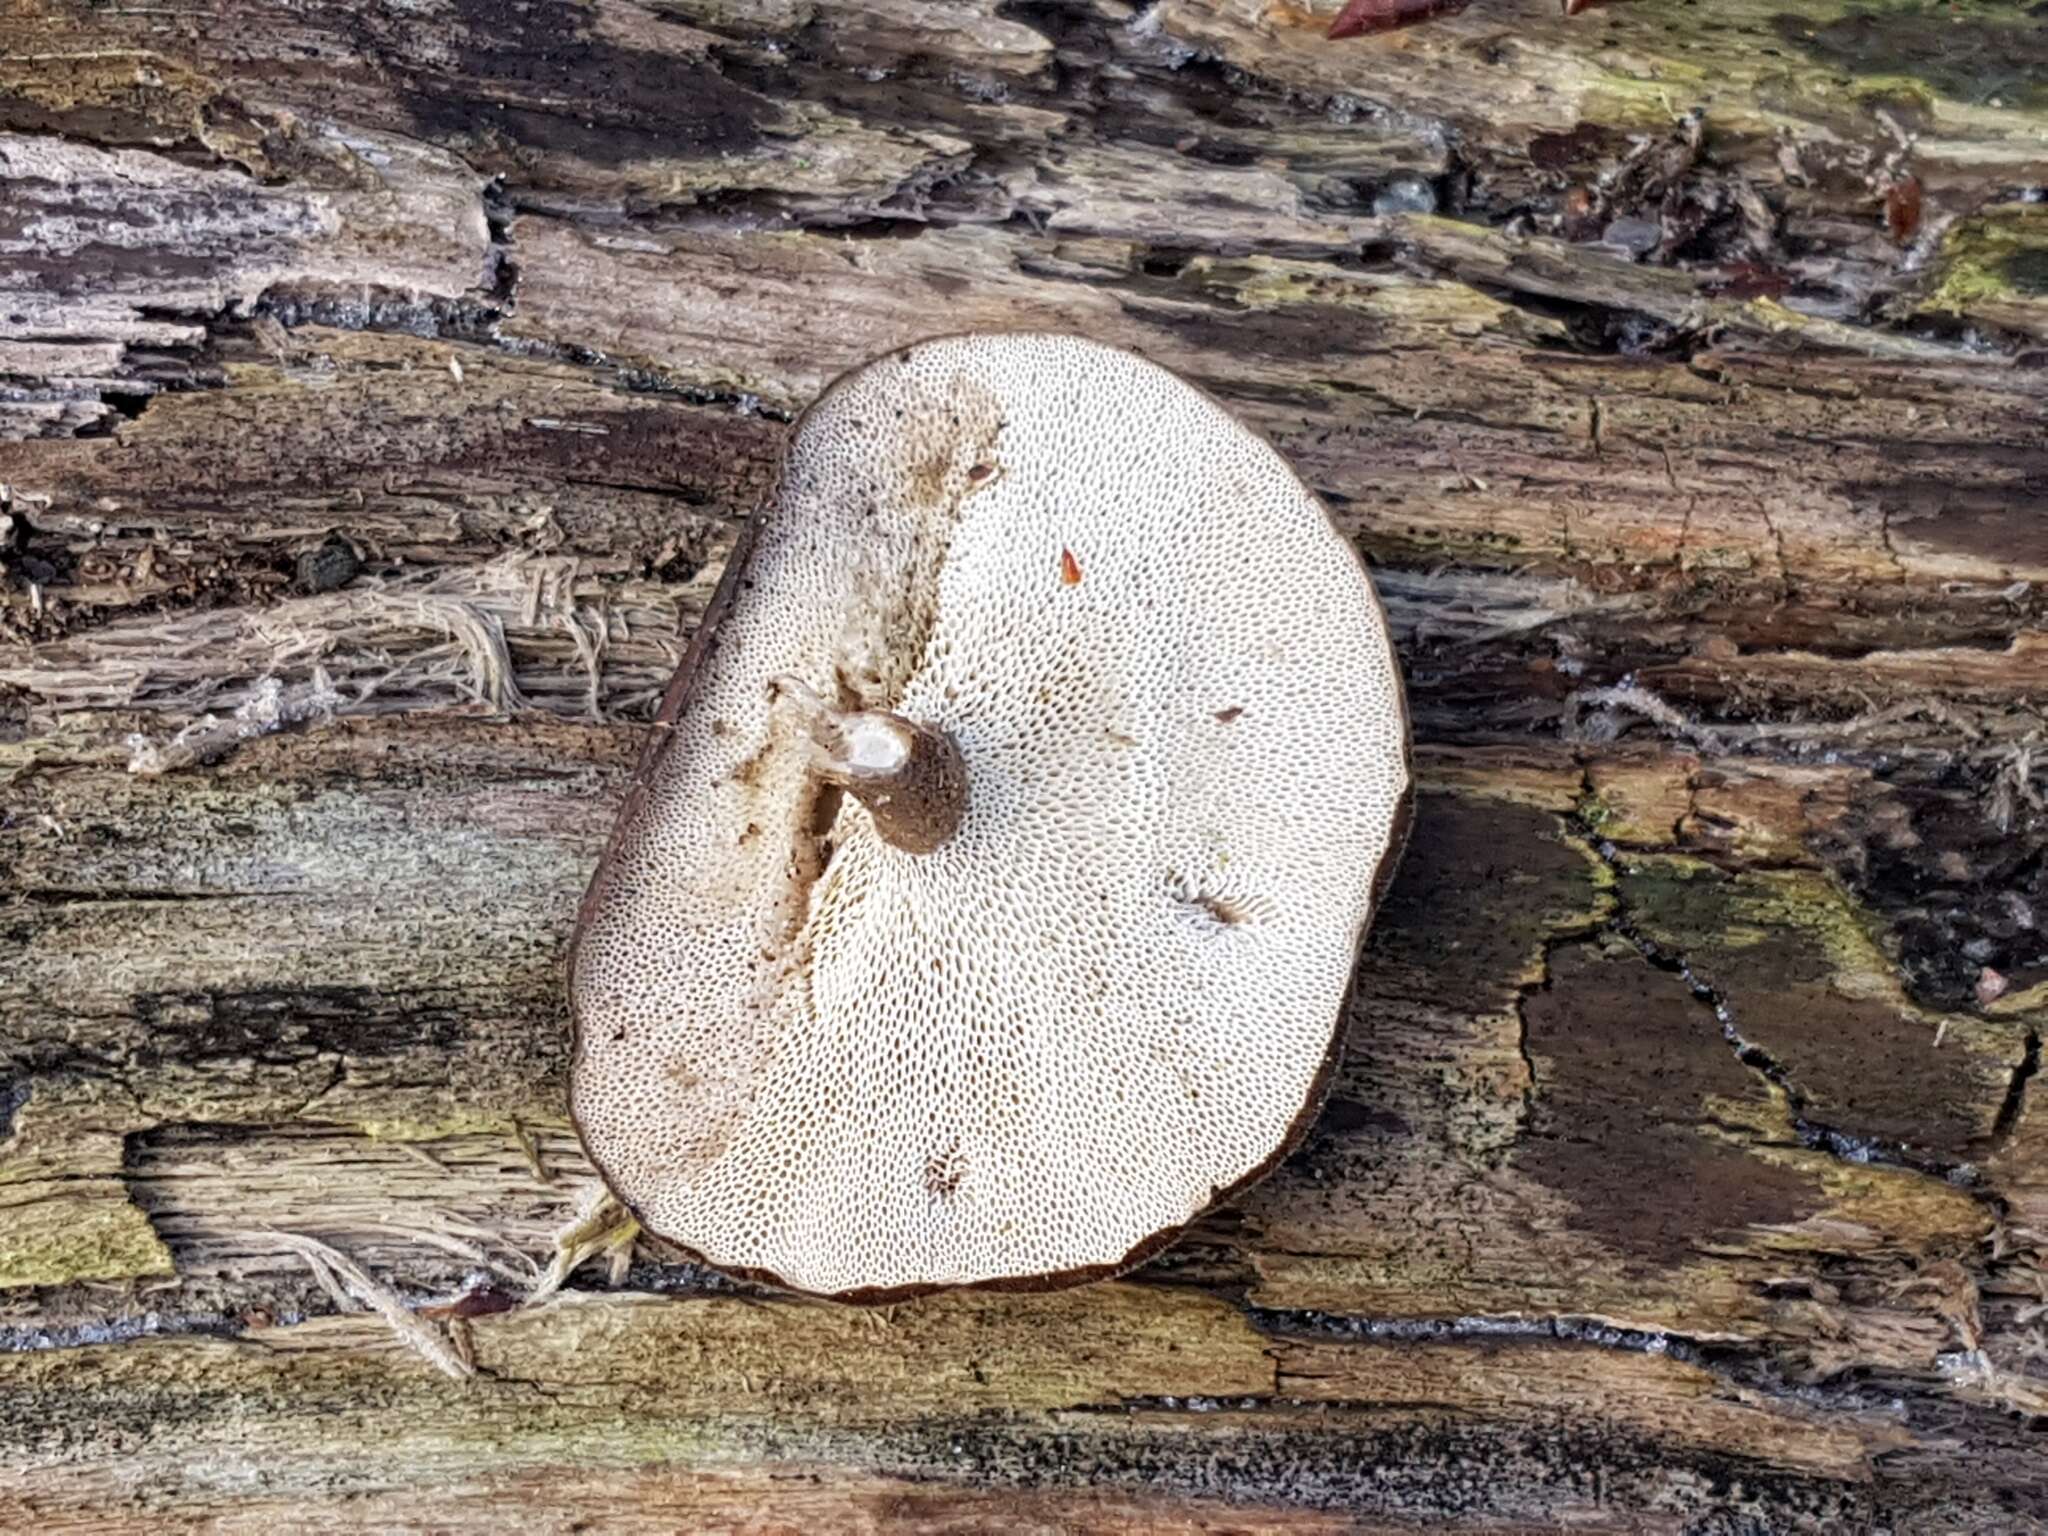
<point x="1787" y="959"/>
<point x="66" y="1213"/>
<point x="60" y="1232"/>
<point x="1992" y="268"/>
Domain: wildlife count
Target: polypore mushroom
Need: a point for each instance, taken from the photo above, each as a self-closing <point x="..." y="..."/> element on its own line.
<point x="985" y="908"/>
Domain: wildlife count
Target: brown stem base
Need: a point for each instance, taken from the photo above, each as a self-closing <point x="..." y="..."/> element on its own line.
<point x="909" y="775"/>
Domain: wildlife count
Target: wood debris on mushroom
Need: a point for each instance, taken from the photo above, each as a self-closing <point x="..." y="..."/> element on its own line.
<point x="972" y="923"/>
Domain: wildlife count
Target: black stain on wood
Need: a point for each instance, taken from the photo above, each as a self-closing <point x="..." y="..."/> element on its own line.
<point x="287" y="1028"/>
<point x="1967" y="56"/>
<point x="2027" y="271"/>
<point x="534" y="79"/>
<point x="1628" y="1067"/>
<point x="14" y="1093"/>
<point x="1348" y="1117"/>
<point x="1481" y="888"/>
<point x="1860" y="1065"/>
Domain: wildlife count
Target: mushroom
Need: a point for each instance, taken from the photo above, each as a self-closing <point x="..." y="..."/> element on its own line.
<point x="985" y="907"/>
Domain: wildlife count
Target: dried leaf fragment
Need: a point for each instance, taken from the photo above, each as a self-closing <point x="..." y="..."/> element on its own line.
<point x="1902" y="207"/>
<point x="1362" y="16"/>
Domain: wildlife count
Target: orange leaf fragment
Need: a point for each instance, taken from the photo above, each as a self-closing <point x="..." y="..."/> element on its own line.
<point x="1359" y="16"/>
<point x="1902" y="207"/>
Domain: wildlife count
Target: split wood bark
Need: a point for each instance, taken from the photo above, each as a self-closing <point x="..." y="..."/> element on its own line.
<point x="380" y="386"/>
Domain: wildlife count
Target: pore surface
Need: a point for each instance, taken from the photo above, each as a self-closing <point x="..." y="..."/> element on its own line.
<point x="1109" y="995"/>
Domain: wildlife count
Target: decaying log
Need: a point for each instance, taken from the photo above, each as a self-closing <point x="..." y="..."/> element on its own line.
<point x="380" y="388"/>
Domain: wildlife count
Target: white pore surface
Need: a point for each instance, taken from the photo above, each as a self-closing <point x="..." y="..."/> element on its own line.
<point x="1108" y="997"/>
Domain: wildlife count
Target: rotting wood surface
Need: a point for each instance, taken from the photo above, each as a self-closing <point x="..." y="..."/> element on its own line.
<point x="382" y="385"/>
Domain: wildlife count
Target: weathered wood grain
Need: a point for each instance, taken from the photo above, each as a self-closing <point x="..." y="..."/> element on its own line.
<point x="380" y="387"/>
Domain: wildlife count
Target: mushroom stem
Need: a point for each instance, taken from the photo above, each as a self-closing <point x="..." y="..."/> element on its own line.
<point x="908" y="774"/>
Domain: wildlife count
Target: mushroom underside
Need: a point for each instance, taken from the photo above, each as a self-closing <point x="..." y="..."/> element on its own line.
<point x="989" y="908"/>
